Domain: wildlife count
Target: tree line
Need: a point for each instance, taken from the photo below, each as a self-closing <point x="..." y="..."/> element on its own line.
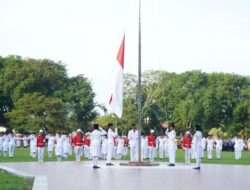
<point x="37" y="94"/>
<point x="219" y="102"/>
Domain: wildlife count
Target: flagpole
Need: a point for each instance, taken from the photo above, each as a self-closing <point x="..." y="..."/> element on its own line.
<point x="139" y="85"/>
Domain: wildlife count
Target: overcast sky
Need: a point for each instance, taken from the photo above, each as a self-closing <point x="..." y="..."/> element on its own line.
<point x="177" y="35"/>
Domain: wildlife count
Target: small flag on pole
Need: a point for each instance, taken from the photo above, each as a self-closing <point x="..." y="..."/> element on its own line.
<point x="116" y="96"/>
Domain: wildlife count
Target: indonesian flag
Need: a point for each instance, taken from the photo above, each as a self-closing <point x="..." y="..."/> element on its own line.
<point x="116" y="96"/>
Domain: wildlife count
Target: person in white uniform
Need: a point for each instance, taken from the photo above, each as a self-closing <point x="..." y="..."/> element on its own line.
<point x="33" y="148"/>
<point x="171" y="142"/>
<point x="210" y="146"/>
<point x="25" y="141"/>
<point x="112" y="133"/>
<point x="166" y="146"/>
<point x="95" y="143"/>
<point x="238" y="147"/>
<point x="59" y="146"/>
<point x="120" y="146"/>
<point x="204" y="145"/>
<point x="144" y="147"/>
<point x="198" y="147"/>
<point x="218" y="147"/>
<point x="5" y="144"/>
<point x="1" y="143"/>
<point x="133" y="137"/>
<point x="51" y="144"/>
<point x="161" y="140"/>
<point x="18" y="141"/>
<point x="104" y="147"/>
<point x="12" y="144"/>
<point x="66" y="145"/>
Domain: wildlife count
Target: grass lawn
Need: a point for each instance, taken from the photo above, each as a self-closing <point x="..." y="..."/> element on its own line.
<point x="11" y="182"/>
<point x="22" y="155"/>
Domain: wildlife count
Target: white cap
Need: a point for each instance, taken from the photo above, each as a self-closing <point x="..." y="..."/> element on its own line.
<point x="78" y="130"/>
<point x="187" y="132"/>
<point x="152" y="131"/>
<point x="40" y="131"/>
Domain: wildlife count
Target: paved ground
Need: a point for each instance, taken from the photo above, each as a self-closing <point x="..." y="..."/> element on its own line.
<point x="80" y="176"/>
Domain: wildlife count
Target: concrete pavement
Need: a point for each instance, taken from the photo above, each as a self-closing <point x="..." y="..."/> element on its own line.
<point x="80" y="176"/>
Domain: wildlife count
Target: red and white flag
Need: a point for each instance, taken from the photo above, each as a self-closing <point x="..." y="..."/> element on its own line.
<point x="116" y="96"/>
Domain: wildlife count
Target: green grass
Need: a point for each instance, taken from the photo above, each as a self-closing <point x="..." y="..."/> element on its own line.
<point x="22" y="155"/>
<point x="11" y="182"/>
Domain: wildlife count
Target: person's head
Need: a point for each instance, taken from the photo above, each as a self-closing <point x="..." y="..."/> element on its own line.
<point x="187" y="133"/>
<point x="152" y="131"/>
<point x="110" y="126"/>
<point x="197" y="127"/>
<point x="172" y="127"/>
<point x="59" y="133"/>
<point x="78" y="131"/>
<point x="40" y="132"/>
<point x="96" y="126"/>
<point x="133" y="126"/>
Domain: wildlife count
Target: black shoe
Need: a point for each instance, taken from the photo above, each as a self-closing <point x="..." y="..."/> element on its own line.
<point x="109" y="164"/>
<point x="197" y="168"/>
<point x="171" y="164"/>
<point x="96" y="167"/>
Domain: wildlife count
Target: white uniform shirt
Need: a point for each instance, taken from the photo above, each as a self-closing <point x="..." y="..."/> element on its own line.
<point x="239" y="143"/>
<point x="197" y="140"/>
<point x="133" y="137"/>
<point x="1" y="142"/>
<point x="111" y="135"/>
<point x="95" y="141"/>
<point x="219" y="144"/>
<point x="210" y="143"/>
<point x="171" y="138"/>
<point x="12" y="140"/>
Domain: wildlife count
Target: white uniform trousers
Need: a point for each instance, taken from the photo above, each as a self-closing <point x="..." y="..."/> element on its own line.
<point x="110" y="152"/>
<point x="134" y="153"/>
<point x="40" y="153"/>
<point x="151" y="150"/>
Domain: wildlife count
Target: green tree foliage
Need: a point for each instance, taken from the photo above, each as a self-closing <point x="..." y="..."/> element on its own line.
<point x="214" y="100"/>
<point x="38" y="93"/>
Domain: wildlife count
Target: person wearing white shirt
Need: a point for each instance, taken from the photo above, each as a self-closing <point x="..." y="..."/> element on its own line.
<point x="144" y="147"/>
<point x="33" y="148"/>
<point x="161" y="140"/>
<point x="104" y="147"/>
<point x="112" y="134"/>
<point x="210" y="146"/>
<point x="198" y="146"/>
<point x="5" y="144"/>
<point x="12" y="144"/>
<point x="218" y="147"/>
<point x="95" y="143"/>
<point x="166" y="146"/>
<point x="51" y="144"/>
<point x="238" y="147"/>
<point x="120" y="146"/>
<point x="25" y="141"/>
<point x="170" y="132"/>
<point x="66" y="145"/>
<point x="171" y="145"/>
<point x="1" y="143"/>
<point x="204" y="145"/>
<point x="133" y="137"/>
<point x="59" y="146"/>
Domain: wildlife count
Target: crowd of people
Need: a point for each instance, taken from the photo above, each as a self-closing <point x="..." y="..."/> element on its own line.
<point x="108" y="145"/>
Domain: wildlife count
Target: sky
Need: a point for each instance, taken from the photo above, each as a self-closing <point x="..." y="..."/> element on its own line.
<point x="177" y="35"/>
